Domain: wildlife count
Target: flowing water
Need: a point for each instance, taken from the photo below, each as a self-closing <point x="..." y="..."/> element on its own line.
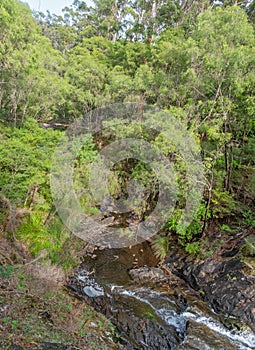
<point x="152" y="315"/>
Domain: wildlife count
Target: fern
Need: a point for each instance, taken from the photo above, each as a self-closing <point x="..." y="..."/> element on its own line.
<point x="160" y="246"/>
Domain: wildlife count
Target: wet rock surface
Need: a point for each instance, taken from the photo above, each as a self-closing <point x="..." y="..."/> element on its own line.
<point x="222" y="281"/>
<point x="133" y="314"/>
<point x="118" y="284"/>
<point x="146" y="274"/>
<point x="164" y="307"/>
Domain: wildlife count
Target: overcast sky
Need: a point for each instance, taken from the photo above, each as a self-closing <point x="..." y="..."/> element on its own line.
<point x="54" y="6"/>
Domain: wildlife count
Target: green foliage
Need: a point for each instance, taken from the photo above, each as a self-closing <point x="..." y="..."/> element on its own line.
<point x="193" y="248"/>
<point x="43" y="311"/>
<point x="226" y="228"/>
<point x="223" y="204"/>
<point x="87" y="74"/>
<point x="39" y="237"/>
<point x="196" y="61"/>
<point x="249" y="247"/>
<point x="15" y="323"/>
<point x="193" y="230"/>
<point x="25" y="162"/>
<point x="30" y="69"/>
<point x="189" y="58"/>
<point x="86" y="155"/>
<point x="6" y="271"/>
<point x="160" y="246"/>
<point x="249" y="218"/>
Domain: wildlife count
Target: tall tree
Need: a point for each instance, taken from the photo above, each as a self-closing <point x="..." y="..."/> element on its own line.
<point x="31" y="70"/>
<point x="225" y="84"/>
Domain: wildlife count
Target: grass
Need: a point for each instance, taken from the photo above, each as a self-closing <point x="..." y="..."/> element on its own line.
<point x="61" y="247"/>
<point x="38" y="236"/>
<point x="36" y="309"/>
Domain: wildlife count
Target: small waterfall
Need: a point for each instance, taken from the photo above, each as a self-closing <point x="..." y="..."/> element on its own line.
<point x="150" y="315"/>
<point x="166" y="308"/>
<point x="243" y="340"/>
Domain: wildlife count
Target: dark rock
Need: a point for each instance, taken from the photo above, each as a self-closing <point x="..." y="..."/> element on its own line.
<point x="230" y="253"/>
<point x="135" y="320"/>
<point x="147" y="274"/>
<point x="222" y="282"/>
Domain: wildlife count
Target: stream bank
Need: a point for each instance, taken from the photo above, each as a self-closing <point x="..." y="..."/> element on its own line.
<point x="224" y="281"/>
<point x="182" y="304"/>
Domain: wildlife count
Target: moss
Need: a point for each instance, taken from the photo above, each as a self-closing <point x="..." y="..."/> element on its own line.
<point x="143" y="310"/>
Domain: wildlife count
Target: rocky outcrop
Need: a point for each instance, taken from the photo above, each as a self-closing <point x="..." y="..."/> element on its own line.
<point x="135" y="319"/>
<point x="221" y="280"/>
<point x="146" y="274"/>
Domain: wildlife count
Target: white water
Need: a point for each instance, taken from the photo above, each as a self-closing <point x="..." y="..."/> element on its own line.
<point x="242" y="340"/>
<point x="167" y="313"/>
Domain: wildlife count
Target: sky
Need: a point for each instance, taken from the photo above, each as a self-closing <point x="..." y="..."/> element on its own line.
<point x="54" y="6"/>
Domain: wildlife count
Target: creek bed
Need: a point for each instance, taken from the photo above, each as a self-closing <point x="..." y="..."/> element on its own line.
<point x="150" y="314"/>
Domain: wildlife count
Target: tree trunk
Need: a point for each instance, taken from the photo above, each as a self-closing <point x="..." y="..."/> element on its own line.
<point x="35" y="190"/>
<point x="227" y="162"/>
<point x="151" y="27"/>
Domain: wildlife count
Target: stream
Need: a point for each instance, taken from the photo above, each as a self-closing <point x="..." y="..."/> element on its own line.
<point x="149" y="308"/>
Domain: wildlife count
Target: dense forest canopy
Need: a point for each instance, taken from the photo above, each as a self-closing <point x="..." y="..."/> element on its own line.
<point x="193" y="58"/>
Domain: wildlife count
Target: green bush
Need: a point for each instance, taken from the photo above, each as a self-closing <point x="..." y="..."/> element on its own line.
<point x="193" y="248"/>
<point x="37" y="236"/>
<point x="25" y="159"/>
<point x="193" y="230"/>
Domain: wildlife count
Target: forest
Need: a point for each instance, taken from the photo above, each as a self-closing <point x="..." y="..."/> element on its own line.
<point x="193" y="59"/>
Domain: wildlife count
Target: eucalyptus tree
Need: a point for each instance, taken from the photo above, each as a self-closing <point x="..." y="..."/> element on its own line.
<point x="87" y="74"/>
<point x="224" y="98"/>
<point x="32" y="81"/>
